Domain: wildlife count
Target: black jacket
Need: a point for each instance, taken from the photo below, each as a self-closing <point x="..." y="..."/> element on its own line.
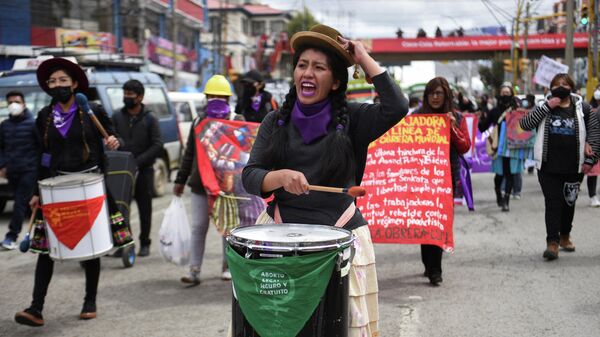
<point x="70" y="153"/>
<point x="20" y="143"/>
<point x="244" y="108"/>
<point x="189" y="163"/>
<point x="139" y="135"/>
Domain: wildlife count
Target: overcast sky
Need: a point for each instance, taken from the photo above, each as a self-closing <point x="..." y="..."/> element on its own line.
<point x="381" y="18"/>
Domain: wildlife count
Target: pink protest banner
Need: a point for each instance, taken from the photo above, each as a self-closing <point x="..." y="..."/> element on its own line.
<point x="409" y="185"/>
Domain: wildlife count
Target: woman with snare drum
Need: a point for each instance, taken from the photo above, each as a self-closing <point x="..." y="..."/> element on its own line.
<point x="318" y="137"/>
<point x="71" y="143"/>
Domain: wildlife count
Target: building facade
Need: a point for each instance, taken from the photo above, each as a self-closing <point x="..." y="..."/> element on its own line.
<point x="110" y="30"/>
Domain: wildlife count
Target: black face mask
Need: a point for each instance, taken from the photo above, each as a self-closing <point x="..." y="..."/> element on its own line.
<point x="504" y="100"/>
<point x="561" y="92"/>
<point x="129" y="102"/>
<point x="61" y="94"/>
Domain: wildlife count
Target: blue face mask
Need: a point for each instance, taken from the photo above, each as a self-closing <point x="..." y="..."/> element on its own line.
<point x="217" y="108"/>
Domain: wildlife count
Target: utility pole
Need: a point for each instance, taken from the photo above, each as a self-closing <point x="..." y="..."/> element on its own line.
<point x="525" y="37"/>
<point x="174" y="39"/>
<point x="142" y="29"/>
<point x="570" y="32"/>
<point x="592" y="55"/>
<point x="515" y="56"/>
<point x="116" y="9"/>
<point x="224" y="41"/>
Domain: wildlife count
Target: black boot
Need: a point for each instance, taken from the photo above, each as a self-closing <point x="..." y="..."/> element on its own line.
<point x="505" y="201"/>
<point x="498" y="196"/>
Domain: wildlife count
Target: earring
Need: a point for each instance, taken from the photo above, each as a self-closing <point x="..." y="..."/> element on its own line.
<point x="356" y="74"/>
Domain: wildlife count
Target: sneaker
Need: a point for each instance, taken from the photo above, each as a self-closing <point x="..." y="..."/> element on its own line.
<point x="191" y="278"/>
<point x="594" y="201"/>
<point x="30" y="317"/>
<point x="226" y="276"/>
<point x="9" y="244"/>
<point x="88" y="311"/>
<point x="516" y="196"/>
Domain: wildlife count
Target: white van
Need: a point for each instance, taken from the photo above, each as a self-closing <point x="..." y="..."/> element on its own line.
<point x="188" y="105"/>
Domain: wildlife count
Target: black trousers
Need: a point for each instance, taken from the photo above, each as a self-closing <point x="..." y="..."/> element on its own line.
<point x="43" y="274"/>
<point x="143" y="198"/>
<point x="506" y="175"/>
<point x="591" y="184"/>
<point x="431" y="256"/>
<point x="560" y="193"/>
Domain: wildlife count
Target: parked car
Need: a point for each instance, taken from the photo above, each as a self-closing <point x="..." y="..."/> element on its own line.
<point x="187" y="105"/>
<point x="106" y="89"/>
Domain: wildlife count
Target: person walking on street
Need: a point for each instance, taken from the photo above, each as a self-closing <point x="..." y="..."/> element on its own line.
<point x="218" y="92"/>
<point x="437" y="99"/>
<point x="507" y="160"/>
<point x="255" y="102"/>
<point x="567" y="146"/>
<point x="71" y="143"/>
<point x="592" y="180"/>
<point x="139" y="132"/>
<point x="20" y="145"/>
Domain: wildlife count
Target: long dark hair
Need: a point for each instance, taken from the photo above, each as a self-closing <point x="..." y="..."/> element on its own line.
<point x="337" y="162"/>
<point x="429" y="88"/>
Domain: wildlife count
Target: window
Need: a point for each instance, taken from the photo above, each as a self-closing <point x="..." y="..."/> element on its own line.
<point x="214" y="24"/>
<point x="277" y="26"/>
<point x="258" y="28"/>
<point x="154" y="100"/>
<point x="35" y="99"/>
<point x="245" y="28"/>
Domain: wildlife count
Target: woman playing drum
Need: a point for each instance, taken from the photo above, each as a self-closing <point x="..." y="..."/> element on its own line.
<point x="317" y="137"/>
<point x="71" y="143"/>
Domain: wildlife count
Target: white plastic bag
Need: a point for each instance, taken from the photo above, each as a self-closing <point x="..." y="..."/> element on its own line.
<point x="174" y="235"/>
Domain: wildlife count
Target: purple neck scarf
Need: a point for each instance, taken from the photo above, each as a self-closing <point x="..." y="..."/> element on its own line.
<point x="256" y="102"/>
<point x="63" y="120"/>
<point x="312" y="120"/>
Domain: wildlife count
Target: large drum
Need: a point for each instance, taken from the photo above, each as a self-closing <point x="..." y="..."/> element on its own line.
<point x="76" y="215"/>
<point x="281" y="242"/>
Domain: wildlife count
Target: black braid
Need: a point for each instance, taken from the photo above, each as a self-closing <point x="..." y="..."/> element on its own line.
<point x="277" y="149"/>
<point x="338" y="163"/>
<point x="86" y="148"/>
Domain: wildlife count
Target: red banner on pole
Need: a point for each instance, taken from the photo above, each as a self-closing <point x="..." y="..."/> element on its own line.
<point x="72" y="220"/>
<point x="409" y="184"/>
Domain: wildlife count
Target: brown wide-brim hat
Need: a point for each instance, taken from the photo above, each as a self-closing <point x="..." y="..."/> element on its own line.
<point x="322" y="36"/>
<point x="47" y="67"/>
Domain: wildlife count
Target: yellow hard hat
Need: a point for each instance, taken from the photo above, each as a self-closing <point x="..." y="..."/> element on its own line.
<point x="217" y="85"/>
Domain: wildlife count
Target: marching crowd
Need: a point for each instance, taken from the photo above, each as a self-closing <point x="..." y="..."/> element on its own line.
<point x="315" y="136"/>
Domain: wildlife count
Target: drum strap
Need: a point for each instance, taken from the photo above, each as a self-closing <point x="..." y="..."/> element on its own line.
<point x="341" y="222"/>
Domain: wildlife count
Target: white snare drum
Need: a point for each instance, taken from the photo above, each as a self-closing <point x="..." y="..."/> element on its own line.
<point x="76" y="216"/>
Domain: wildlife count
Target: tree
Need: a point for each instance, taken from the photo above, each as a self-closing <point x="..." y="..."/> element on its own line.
<point x="492" y="77"/>
<point x="300" y="22"/>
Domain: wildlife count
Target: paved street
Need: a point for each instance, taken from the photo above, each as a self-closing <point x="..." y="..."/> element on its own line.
<point x="495" y="284"/>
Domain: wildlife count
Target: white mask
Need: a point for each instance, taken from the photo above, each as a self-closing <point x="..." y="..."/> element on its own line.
<point x="15" y="109"/>
<point x="597" y="95"/>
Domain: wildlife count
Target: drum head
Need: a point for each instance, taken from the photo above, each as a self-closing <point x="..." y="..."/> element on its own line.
<point x="291" y="237"/>
<point x="71" y="180"/>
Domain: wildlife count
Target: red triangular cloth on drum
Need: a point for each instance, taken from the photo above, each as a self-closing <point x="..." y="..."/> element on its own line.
<point x="72" y="220"/>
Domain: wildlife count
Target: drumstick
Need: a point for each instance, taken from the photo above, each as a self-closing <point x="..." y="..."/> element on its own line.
<point x="82" y="102"/>
<point x="24" y="245"/>
<point x="354" y="191"/>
